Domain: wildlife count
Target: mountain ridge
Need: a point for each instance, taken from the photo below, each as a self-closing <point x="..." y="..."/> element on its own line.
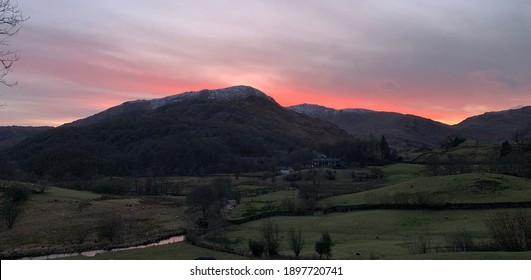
<point x="407" y="130"/>
<point x="194" y="136"/>
<point x="146" y="105"/>
<point x="403" y="131"/>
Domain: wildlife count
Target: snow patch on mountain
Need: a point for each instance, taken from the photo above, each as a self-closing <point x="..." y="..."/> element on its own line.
<point x="319" y="111"/>
<point x="230" y="93"/>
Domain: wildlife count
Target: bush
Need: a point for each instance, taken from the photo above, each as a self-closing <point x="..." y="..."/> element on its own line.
<point x="296" y="241"/>
<point x="460" y="240"/>
<point x="10" y="212"/>
<point x="330" y="176"/>
<point x="13" y="197"/>
<point x="17" y="193"/>
<point x="420" y="244"/>
<point x="257" y="248"/>
<point x="112" y="229"/>
<point x="510" y="231"/>
<point x="271" y="235"/>
<point x="376" y="173"/>
<point x="324" y="245"/>
<point x="292" y="177"/>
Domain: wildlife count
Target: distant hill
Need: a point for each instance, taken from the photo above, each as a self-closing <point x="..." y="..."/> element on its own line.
<point x="211" y="131"/>
<point x="496" y="127"/>
<point x="12" y="135"/>
<point x="401" y="131"/>
<point x="410" y="131"/>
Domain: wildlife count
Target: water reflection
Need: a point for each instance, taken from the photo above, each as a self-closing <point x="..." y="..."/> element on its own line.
<point x="93" y="253"/>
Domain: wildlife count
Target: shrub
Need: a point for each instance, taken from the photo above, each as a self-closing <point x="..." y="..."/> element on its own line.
<point x="271" y="235"/>
<point x="257" y="248"/>
<point x="296" y="241"/>
<point x="420" y="245"/>
<point x="292" y="177"/>
<point x="10" y="212"/>
<point x="17" y="193"/>
<point x="460" y="240"/>
<point x="112" y="228"/>
<point x="324" y="245"/>
<point x="510" y="231"/>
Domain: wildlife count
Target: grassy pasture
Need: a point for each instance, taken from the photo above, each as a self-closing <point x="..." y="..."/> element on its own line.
<point x="249" y="206"/>
<point x="373" y="234"/>
<point x="463" y="188"/>
<point x="400" y="172"/>
<point x="470" y="256"/>
<point x="468" y="151"/>
<point x="61" y="220"/>
<point x="175" y="251"/>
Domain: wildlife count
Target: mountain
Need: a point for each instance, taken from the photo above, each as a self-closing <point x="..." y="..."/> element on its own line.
<point x="12" y="135"/>
<point x="400" y="130"/>
<point x="210" y="131"/>
<point x="142" y="106"/>
<point x="496" y="127"/>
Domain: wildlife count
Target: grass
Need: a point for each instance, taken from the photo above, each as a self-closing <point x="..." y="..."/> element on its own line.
<point x="463" y="188"/>
<point x="249" y="206"/>
<point x="67" y="220"/>
<point x="175" y="251"/>
<point x="54" y="193"/>
<point x="400" y="172"/>
<point x="471" y="256"/>
<point x="373" y="234"/>
<point x="468" y="151"/>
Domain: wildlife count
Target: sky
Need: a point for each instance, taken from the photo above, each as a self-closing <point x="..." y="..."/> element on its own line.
<point x="443" y="60"/>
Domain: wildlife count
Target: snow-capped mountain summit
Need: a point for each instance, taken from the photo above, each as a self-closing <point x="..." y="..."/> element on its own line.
<point x="230" y="93"/>
<point x="225" y="94"/>
<point x="318" y="110"/>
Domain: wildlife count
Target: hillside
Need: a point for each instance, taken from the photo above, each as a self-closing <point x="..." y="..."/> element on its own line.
<point x="496" y="127"/>
<point x="401" y="131"/>
<point x="410" y="131"/>
<point x="12" y="135"/>
<point x="230" y="130"/>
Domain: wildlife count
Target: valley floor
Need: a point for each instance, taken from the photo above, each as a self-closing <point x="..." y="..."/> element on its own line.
<point x="411" y="222"/>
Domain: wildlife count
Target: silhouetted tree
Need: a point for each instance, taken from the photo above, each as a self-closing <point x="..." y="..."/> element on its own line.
<point x="460" y="240"/>
<point x="452" y="142"/>
<point x="210" y="199"/>
<point x="510" y="231"/>
<point x="257" y="247"/>
<point x="13" y="197"/>
<point x="11" y="19"/>
<point x="112" y="228"/>
<point x="10" y="212"/>
<point x="385" y="151"/>
<point x="271" y="235"/>
<point x="296" y="241"/>
<point x="324" y="245"/>
<point x="518" y="136"/>
<point x="505" y="149"/>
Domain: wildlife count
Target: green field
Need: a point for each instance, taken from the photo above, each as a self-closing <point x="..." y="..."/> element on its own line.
<point x="463" y="188"/>
<point x="400" y="172"/>
<point x="470" y="256"/>
<point x="468" y="151"/>
<point x="63" y="220"/>
<point x="249" y="206"/>
<point x="374" y="234"/>
<point x="175" y="251"/>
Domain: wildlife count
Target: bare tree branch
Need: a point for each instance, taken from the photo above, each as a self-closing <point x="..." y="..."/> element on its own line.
<point x="11" y="19"/>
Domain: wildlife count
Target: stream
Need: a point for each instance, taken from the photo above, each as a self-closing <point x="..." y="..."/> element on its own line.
<point x="93" y="253"/>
